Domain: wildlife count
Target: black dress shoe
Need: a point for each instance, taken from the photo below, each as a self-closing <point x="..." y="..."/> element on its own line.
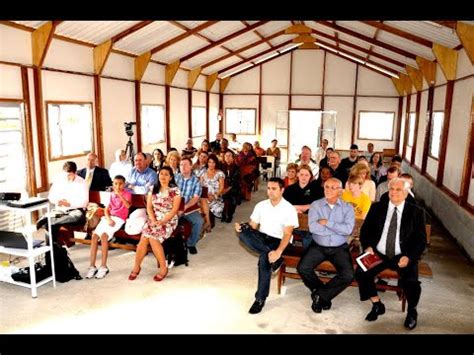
<point x="377" y="310"/>
<point x="327" y="305"/>
<point x="317" y="305"/>
<point x="276" y="265"/>
<point x="411" y="319"/>
<point x="192" y="250"/>
<point x="257" y="306"/>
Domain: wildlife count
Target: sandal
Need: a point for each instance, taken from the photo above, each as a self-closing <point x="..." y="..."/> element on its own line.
<point x="159" y="277"/>
<point x="133" y="275"/>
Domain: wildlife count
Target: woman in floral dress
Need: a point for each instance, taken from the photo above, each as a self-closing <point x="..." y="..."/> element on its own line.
<point x="213" y="179"/>
<point x="162" y="209"/>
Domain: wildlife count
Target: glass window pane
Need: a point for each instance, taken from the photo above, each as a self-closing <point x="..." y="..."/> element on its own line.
<point x="411" y="129"/>
<point x="435" y="137"/>
<point x="153" y="124"/>
<point x="376" y="125"/>
<point x="240" y="121"/>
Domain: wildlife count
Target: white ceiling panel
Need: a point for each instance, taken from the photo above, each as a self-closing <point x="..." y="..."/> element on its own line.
<point x="273" y="26"/>
<point x="221" y="65"/>
<point x="205" y="57"/>
<point x="353" y="51"/>
<point x="191" y="24"/>
<point x="148" y="37"/>
<point x="320" y="28"/>
<point x="95" y="32"/>
<point x="354" y="40"/>
<point x="242" y="41"/>
<point x="254" y="50"/>
<point x="431" y="31"/>
<point x="358" y="27"/>
<point x="394" y="56"/>
<point x="222" y="29"/>
<point x="280" y="39"/>
<point x="180" y="49"/>
<point x="406" y="45"/>
<point x="33" y="24"/>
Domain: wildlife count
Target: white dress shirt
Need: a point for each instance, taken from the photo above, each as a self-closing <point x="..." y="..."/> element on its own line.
<point x="383" y="240"/>
<point x="76" y="192"/>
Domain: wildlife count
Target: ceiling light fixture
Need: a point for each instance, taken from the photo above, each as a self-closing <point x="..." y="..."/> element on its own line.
<point x="236" y="71"/>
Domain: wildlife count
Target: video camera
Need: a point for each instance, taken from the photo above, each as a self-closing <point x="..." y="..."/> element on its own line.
<point x="128" y="128"/>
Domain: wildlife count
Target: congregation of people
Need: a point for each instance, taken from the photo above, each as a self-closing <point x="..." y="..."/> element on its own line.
<point x="336" y="195"/>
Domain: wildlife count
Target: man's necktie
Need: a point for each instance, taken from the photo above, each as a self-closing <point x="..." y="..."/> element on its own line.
<point x="89" y="178"/>
<point x="391" y="235"/>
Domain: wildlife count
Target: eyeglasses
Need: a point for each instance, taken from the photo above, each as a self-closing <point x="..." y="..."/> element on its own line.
<point x="331" y="187"/>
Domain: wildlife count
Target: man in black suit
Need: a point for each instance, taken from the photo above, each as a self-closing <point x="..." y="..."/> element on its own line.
<point x="395" y="231"/>
<point x="216" y="145"/>
<point x="97" y="178"/>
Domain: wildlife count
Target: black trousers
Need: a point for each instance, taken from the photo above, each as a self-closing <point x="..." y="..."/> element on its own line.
<point x="340" y="257"/>
<point x="408" y="279"/>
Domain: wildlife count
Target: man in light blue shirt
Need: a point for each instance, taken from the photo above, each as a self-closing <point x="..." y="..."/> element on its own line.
<point x="142" y="178"/>
<point x="331" y="221"/>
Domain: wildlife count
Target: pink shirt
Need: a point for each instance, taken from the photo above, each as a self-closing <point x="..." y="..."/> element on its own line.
<point x="116" y="206"/>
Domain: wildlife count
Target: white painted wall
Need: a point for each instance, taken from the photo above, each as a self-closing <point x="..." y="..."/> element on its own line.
<point x="276" y="75"/>
<point x="118" y="106"/>
<point x="439" y="98"/>
<point x="421" y="129"/>
<point x="464" y="64"/>
<point x="66" y="87"/>
<point x="15" y="45"/>
<point x="306" y="102"/>
<point x="440" y="78"/>
<point x="457" y="135"/>
<point x="200" y="83"/>
<point x="371" y="83"/>
<point x="69" y="56"/>
<point x="178" y="117"/>
<point x="343" y="106"/>
<point x="270" y="107"/>
<point x="403" y="124"/>
<point x="340" y="76"/>
<point x="10" y="82"/>
<point x="180" y="80"/>
<point x="307" y="72"/>
<point x="119" y="66"/>
<point x="153" y="95"/>
<point x="247" y="82"/>
<point x="154" y="73"/>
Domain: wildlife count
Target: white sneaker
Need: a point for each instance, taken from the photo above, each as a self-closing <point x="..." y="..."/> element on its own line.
<point x="170" y="264"/>
<point x="91" y="272"/>
<point x="102" y="272"/>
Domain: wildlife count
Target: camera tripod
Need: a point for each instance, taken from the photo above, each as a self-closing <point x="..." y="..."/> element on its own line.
<point x="129" y="149"/>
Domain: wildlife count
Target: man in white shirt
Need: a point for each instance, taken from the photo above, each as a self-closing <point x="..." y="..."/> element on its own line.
<point x="321" y="152"/>
<point x="235" y="145"/>
<point x="277" y="218"/>
<point x="305" y="159"/>
<point x="121" y="165"/>
<point x="70" y="195"/>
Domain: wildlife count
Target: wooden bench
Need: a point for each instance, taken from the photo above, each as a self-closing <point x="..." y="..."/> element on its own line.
<point x="129" y="241"/>
<point x="292" y="256"/>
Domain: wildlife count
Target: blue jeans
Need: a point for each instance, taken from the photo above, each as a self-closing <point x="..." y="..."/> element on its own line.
<point x="261" y="244"/>
<point x="196" y="220"/>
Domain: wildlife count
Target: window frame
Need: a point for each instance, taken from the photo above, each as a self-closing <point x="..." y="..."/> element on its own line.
<point x="164" y="123"/>
<point x="192" y="125"/>
<point x="431" y="135"/>
<point x="242" y="133"/>
<point x="63" y="157"/>
<point x="375" y="139"/>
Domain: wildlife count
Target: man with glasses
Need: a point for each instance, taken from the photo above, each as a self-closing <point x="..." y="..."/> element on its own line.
<point x="331" y="221"/>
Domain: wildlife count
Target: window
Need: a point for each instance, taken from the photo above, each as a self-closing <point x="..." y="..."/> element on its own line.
<point x="436" y="131"/>
<point x="12" y="148"/>
<point x="240" y="120"/>
<point x="198" y="122"/>
<point x="70" y="129"/>
<point x="411" y="129"/>
<point x="376" y="125"/>
<point x="153" y="124"/>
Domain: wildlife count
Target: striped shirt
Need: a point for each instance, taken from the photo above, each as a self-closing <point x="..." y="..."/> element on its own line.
<point x="189" y="187"/>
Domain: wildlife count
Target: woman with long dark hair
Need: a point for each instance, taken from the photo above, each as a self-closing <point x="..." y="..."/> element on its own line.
<point x="162" y="209"/>
<point x="231" y="193"/>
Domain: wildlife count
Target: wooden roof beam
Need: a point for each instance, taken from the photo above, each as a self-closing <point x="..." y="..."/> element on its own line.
<point x="398" y="86"/>
<point x="170" y="72"/>
<point x="223" y="40"/>
<point x="141" y="64"/>
<point x="129" y="31"/>
<point x="259" y="35"/>
<point x="447" y="59"/>
<point x="428" y="69"/>
<point x="40" y="41"/>
<point x="193" y="76"/>
<point x="406" y="82"/>
<point x="210" y="80"/>
<point x="101" y="54"/>
<point x="361" y="49"/>
<point x="223" y="84"/>
<point x="375" y="42"/>
<point x="297" y="29"/>
<point x="466" y="35"/>
<point x="416" y="77"/>
<point x="399" y="33"/>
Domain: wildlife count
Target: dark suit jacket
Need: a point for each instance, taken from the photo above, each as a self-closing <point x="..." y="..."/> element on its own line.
<point x="100" y="179"/>
<point x="412" y="229"/>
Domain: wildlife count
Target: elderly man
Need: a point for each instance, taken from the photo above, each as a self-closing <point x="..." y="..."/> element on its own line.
<point x="121" y="165"/>
<point x="395" y="231"/>
<point x="305" y="159"/>
<point x="334" y="162"/>
<point x="216" y="145"/>
<point x="97" y="178"/>
<point x="331" y="221"/>
<point x="142" y="178"/>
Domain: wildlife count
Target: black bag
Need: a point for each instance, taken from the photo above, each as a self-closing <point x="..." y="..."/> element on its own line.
<point x="41" y="271"/>
<point x="63" y="265"/>
<point x="176" y="250"/>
